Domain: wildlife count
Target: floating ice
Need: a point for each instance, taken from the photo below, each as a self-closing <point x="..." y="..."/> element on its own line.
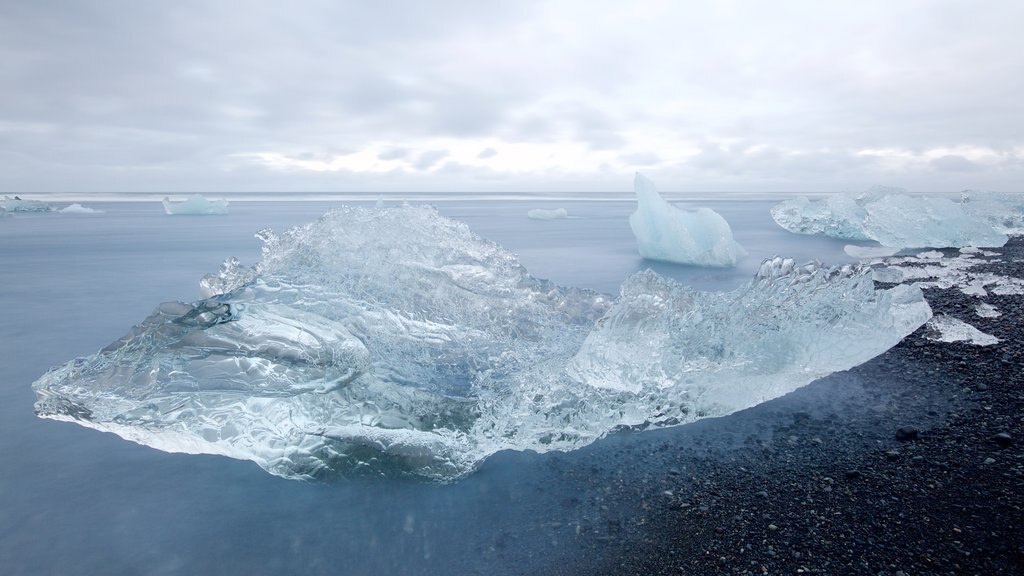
<point x="543" y="214"/>
<point x="894" y="219"/>
<point x="16" y="204"/>
<point x="950" y="329"/>
<point x="1004" y="212"/>
<point x="663" y="232"/>
<point x="393" y="340"/>
<point x="79" y="209"/>
<point x="196" y="204"/>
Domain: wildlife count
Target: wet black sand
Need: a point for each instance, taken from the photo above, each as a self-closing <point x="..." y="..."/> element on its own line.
<point x="912" y="463"/>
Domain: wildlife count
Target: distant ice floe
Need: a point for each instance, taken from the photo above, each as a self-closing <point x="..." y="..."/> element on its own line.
<point x="390" y="341"/>
<point x="700" y="237"/>
<point x="79" y="209"/>
<point x="543" y="214"/>
<point x="896" y="219"/>
<point x="16" y="204"/>
<point x="196" y="204"/>
<point x="950" y="329"/>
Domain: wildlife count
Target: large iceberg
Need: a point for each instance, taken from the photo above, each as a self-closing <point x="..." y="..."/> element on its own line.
<point x="395" y="341"/>
<point x="898" y="220"/>
<point x="195" y="204"/>
<point x="700" y="237"/>
<point x="16" y="204"/>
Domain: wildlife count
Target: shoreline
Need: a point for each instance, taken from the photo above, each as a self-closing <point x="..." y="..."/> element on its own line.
<point x="911" y="463"/>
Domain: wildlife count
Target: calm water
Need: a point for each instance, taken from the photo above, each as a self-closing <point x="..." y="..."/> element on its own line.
<point x="76" y="501"/>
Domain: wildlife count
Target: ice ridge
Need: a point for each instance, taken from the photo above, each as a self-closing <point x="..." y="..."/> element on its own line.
<point x="395" y="341"/>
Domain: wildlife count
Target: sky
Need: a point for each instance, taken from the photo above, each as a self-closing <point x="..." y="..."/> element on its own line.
<point x="557" y="96"/>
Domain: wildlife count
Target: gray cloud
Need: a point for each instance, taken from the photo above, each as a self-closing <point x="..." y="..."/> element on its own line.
<point x="127" y="95"/>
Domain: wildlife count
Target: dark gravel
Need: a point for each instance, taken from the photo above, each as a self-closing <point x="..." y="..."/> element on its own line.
<point x="908" y="464"/>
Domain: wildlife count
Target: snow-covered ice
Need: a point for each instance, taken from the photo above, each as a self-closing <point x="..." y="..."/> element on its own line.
<point x="79" y="209"/>
<point x="950" y="329"/>
<point x="545" y="214"/>
<point x="896" y="219"/>
<point x="700" y="237"/>
<point x="395" y="341"/>
<point x="196" y="205"/>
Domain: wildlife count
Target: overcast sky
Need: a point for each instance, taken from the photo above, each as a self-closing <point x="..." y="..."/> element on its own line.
<point x="208" y="96"/>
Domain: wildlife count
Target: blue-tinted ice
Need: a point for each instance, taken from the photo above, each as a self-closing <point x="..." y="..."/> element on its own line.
<point x="896" y="219"/>
<point x="395" y="341"/>
<point x="195" y="205"/>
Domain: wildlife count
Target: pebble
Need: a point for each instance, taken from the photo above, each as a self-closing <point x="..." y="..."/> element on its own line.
<point x="1003" y="439"/>
<point x="906" y="434"/>
<point x="989" y="461"/>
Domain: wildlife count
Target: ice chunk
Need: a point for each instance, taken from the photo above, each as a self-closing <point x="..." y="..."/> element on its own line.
<point x="543" y="214"/>
<point x="868" y="252"/>
<point x="16" y="204"/>
<point x="950" y="329"/>
<point x="395" y="341"/>
<point x="700" y="237"/>
<point x="1004" y="212"/>
<point x="892" y="218"/>
<point x="79" y="209"/>
<point x="986" y="310"/>
<point x="196" y="204"/>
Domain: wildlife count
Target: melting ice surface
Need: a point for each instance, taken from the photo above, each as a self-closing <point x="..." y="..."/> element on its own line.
<point x="700" y="237"/>
<point x="895" y="219"/>
<point x="195" y="204"/>
<point x="79" y="209"/>
<point x="395" y="341"/>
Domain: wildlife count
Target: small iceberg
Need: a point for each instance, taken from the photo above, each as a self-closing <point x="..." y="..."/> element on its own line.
<point x="79" y="209"/>
<point x="16" y="204"/>
<point x="896" y="219"/>
<point x="196" y="204"/>
<point x="542" y="214"/>
<point x="700" y="237"/>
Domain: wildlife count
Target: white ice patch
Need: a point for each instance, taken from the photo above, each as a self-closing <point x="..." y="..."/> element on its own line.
<point x="953" y="330"/>
<point x="986" y="310"/>
<point x="893" y="218"/>
<point x="700" y="237"/>
<point x="931" y="270"/>
<point x="196" y="205"/>
<point x="79" y="209"/>
<point x="544" y="214"/>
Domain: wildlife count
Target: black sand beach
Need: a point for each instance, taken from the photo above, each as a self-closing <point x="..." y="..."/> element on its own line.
<point x="909" y="464"/>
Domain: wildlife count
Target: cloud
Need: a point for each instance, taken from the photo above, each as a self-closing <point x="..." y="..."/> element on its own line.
<point x="745" y="96"/>
<point x="954" y="163"/>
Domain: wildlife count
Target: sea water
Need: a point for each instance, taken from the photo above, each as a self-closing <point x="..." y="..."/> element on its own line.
<point x="76" y="501"/>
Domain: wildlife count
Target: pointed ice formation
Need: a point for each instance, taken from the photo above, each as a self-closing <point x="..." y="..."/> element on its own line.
<point x="895" y="219"/>
<point x="700" y="237"/>
<point x="395" y="341"/>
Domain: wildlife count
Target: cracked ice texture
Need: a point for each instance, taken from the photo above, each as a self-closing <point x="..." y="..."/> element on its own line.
<point x="195" y="205"/>
<point x="700" y="237"/>
<point x="895" y="219"/>
<point x="395" y="341"/>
